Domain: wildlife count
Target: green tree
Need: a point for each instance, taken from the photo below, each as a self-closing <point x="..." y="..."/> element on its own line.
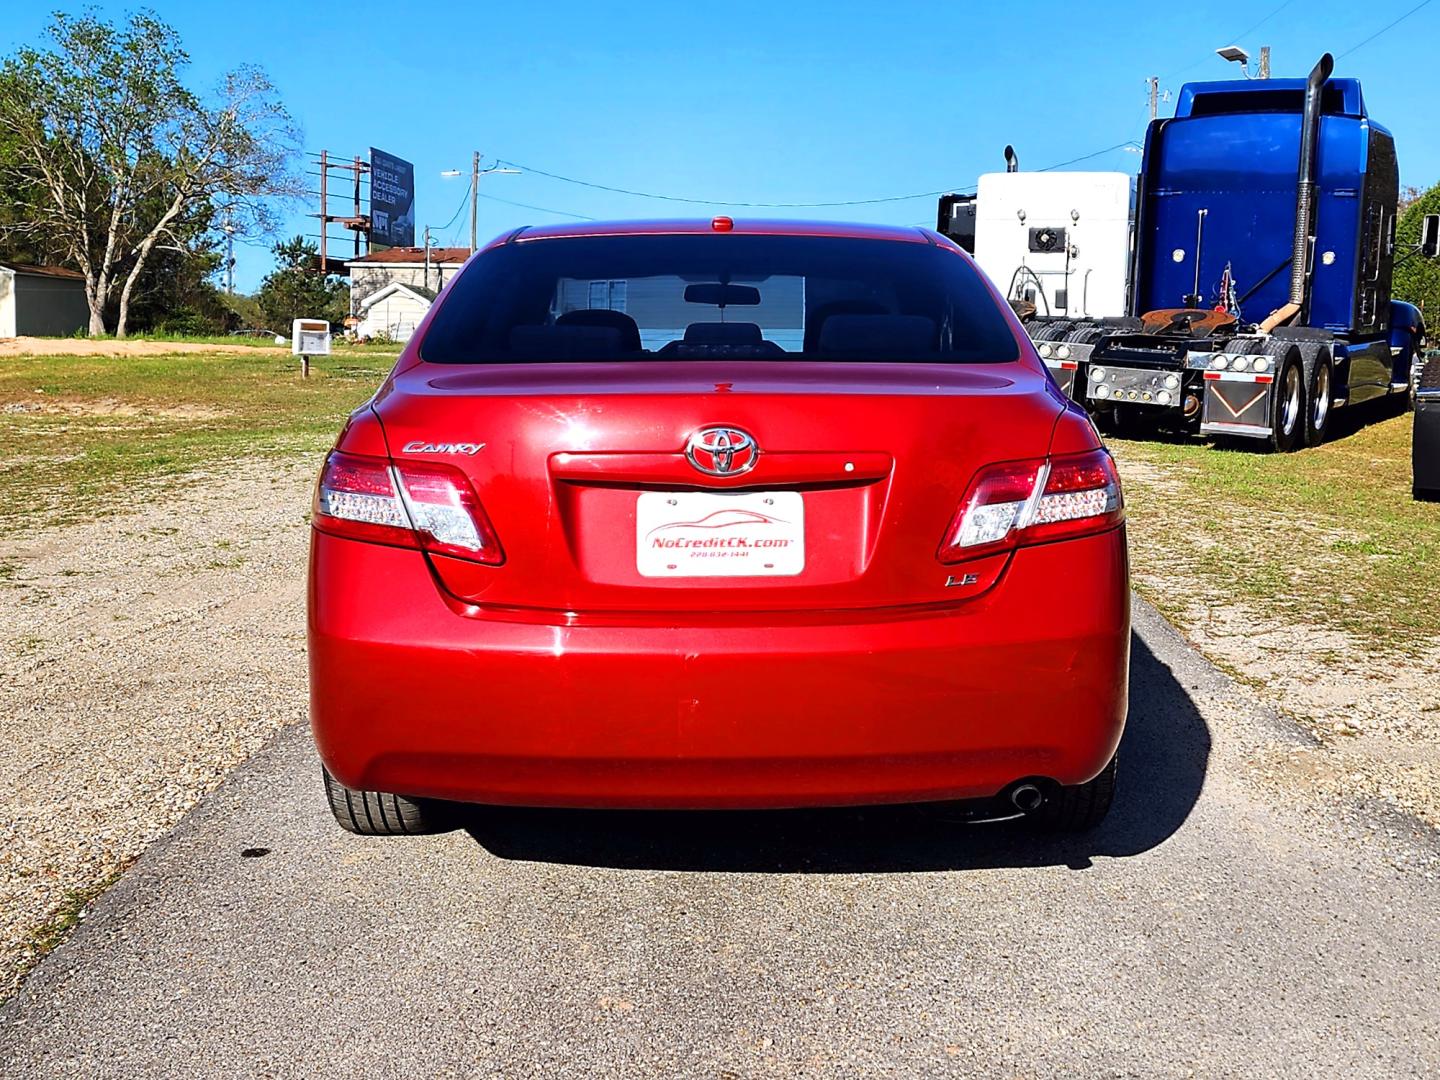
<point x="176" y="291"/>
<point x="296" y="290"/>
<point x="123" y="153"/>
<point x="1417" y="279"/>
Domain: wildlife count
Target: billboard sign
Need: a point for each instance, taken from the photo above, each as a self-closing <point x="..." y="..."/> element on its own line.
<point x="392" y="200"/>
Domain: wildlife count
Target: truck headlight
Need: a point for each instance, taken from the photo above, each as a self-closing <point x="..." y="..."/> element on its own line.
<point x="1262" y="363"/>
<point x="1045" y="349"/>
<point x="1220" y="361"/>
<point x="1172" y="382"/>
<point x="1062" y="352"/>
<point x="1102" y="391"/>
<point x="1097" y="374"/>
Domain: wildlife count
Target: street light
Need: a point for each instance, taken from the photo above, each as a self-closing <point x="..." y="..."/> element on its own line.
<point x="475" y="173"/>
<point x="1236" y="55"/>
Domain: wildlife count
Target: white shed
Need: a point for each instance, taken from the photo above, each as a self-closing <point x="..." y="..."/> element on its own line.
<point x="394" y="311"/>
<point x="41" y="301"/>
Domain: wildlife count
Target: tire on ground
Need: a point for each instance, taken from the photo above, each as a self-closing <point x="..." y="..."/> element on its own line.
<point x="1288" y="403"/>
<point x="378" y="813"/>
<point x="1319" y="399"/>
<point x="1078" y="808"/>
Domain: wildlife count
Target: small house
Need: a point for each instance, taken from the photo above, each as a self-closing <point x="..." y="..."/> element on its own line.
<point x="41" y="301"/>
<point x="393" y="312"/>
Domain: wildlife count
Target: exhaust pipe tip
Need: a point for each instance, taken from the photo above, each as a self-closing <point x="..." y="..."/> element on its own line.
<point x="1027" y="798"/>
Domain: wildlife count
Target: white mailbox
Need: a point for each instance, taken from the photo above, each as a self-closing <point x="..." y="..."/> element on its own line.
<point x="309" y="337"/>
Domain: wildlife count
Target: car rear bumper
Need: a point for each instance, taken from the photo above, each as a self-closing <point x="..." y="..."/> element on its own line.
<point x="411" y="695"/>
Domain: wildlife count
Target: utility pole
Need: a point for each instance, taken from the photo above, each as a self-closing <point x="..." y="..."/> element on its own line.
<point x="427" y="256"/>
<point x="1264" y="61"/>
<point x="474" y="199"/>
<point x="229" y="227"/>
<point x="324" y="211"/>
<point x="1154" y="82"/>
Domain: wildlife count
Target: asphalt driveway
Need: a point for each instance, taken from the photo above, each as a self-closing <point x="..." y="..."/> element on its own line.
<point x="1212" y="927"/>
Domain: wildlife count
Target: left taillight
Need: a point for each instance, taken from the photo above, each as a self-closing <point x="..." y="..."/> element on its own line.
<point x="410" y="504"/>
<point x="1035" y="501"/>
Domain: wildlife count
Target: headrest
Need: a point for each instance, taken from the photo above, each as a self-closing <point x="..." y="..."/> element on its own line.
<point x="877" y="335"/>
<point x="723" y="333"/>
<point x="615" y="320"/>
<point x="821" y="312"/>
<point x="565" y="342"/>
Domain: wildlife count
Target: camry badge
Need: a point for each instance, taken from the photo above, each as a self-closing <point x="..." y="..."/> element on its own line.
<point x="420" y="446"/>
<point x="722" y="451"/>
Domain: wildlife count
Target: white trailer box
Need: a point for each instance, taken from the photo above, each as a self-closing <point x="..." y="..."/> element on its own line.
<point x="1058" y="239"/>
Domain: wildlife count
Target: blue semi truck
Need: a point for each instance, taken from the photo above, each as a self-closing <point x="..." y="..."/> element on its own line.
<point x="1259" y="295"/>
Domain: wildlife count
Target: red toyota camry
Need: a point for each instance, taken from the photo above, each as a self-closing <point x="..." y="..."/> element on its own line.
<point x="718" y="514"/>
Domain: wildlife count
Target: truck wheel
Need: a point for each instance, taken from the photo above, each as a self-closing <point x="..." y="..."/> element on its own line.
<point x="1078" y="808"/>
<point x="378" y="813"/>
<point x="1129" y="422"/>
<point x="1287" y="407"/>
<point x="1317" y="416"/>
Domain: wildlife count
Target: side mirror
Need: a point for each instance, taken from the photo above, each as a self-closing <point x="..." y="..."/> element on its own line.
<point x="1430" y="236"/>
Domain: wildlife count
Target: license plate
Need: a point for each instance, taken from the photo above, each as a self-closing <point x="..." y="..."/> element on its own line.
<point x="719" y="534"/>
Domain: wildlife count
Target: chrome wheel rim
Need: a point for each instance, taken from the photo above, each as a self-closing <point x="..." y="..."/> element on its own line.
<point x="1290" y="413"/>
<point x="1320" y="408"/>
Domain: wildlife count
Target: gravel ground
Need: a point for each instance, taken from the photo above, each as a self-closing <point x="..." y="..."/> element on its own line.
<point x="1208" y="929"/>
<point x="142" y="657"/>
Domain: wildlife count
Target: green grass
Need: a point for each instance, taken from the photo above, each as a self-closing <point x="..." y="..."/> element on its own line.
<point x="1328" y="537"/>
<point x="83" y="434"/>
<point x="44" y="939"/>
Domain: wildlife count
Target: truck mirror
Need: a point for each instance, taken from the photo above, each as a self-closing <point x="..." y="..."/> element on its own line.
<point x="1430" y="236"/>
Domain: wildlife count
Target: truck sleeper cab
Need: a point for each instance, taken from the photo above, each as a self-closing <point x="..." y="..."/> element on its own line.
<point x="1260" y="287"/>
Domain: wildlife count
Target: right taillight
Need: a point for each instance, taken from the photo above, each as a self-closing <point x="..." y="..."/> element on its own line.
<point x="410" y="504"/>
<point x="1030" y="502"/>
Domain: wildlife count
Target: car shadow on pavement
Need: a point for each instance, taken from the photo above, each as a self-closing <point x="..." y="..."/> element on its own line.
<point x="1163" y="758"/>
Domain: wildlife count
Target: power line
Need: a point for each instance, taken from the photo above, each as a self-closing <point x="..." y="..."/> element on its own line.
<point x="541" y="209"/>
<point x="464" y="199"/>
<point x="1383" y="29"/>
<point x="1262" y="22"/>
<point x="721" y="202"/>
<point x="1087" y="157"/>
<point x="1233" y="37"/>
<point x="765" y="205"/>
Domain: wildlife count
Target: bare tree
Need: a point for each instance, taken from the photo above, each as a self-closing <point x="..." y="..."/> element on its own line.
<point x="123" y="152"/>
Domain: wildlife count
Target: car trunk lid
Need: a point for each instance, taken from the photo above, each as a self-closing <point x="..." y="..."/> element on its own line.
<point x="583" y="469"/>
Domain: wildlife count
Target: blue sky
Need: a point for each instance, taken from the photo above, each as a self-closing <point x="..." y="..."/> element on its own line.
<point x="760" y="102"/>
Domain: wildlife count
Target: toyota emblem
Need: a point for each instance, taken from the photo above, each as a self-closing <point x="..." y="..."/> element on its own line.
<point x="722" y="451"/>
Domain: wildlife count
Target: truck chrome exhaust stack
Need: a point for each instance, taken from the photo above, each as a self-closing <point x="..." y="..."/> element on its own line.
<point x="1307" y="187"/>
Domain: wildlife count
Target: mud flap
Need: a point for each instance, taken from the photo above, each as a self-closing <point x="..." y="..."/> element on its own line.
<point x="1063" y="372"/>
<point x="1237" y="403"/>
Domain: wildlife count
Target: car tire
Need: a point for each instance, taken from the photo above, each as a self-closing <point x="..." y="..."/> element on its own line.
<point x="1319" y="402"/>
<point x="378" y="813"/>
<point x="1288" y="406"/>
<point x="1078" y="808"/>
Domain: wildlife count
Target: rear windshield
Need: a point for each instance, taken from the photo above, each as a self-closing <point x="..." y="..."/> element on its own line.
<point x="722" y="296"/>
